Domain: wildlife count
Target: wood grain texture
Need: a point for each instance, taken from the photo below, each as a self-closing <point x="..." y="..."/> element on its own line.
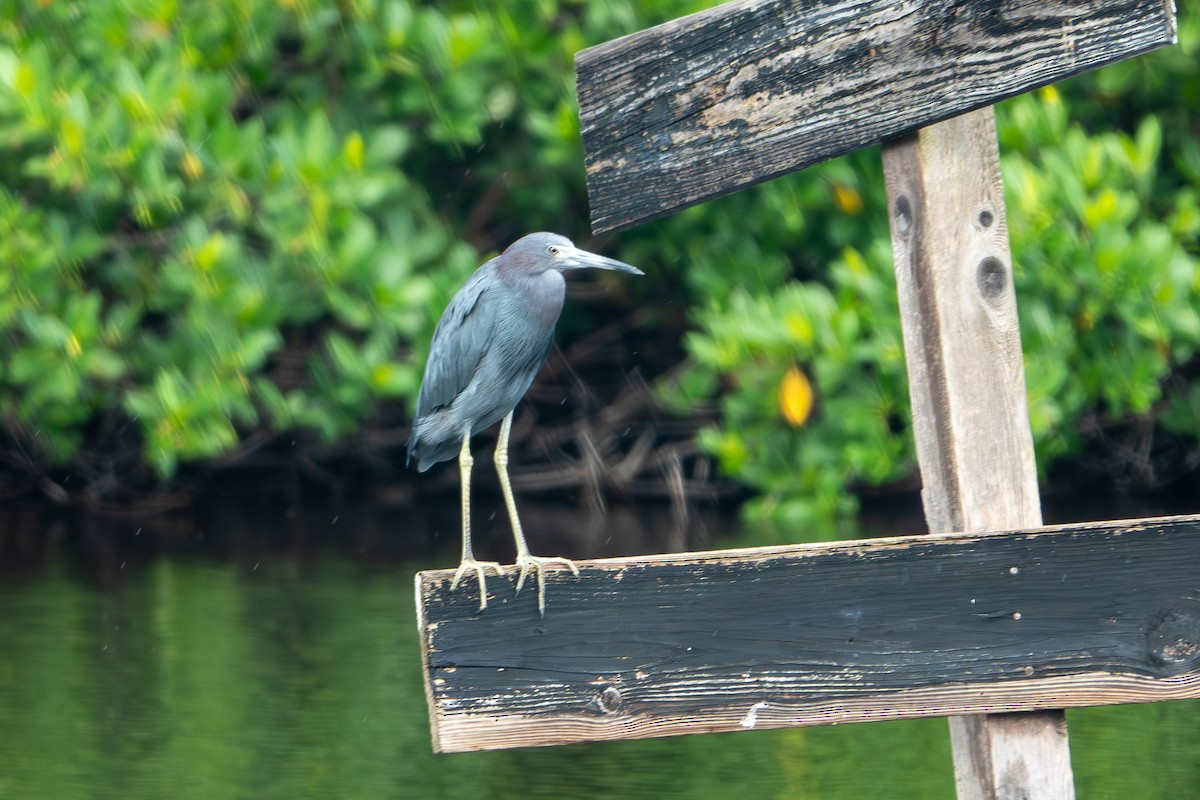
<point x="813" y="634"/>
<point x="958" y="312"/>
<point x="967" y="385"/>
<point x="1012" y="755"/>
<point x="717" y="101"/>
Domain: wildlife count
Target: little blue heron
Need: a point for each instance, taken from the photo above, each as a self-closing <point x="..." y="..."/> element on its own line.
<point x="487" y="347"/>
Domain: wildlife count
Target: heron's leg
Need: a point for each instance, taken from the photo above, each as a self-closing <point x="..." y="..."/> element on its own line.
<point x="525" y="560"/>
<point x="468" y="557"/>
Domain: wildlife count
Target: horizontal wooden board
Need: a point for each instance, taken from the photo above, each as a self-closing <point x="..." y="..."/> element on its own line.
<point x="732" y="640"/>
<point x="717" y="101"/>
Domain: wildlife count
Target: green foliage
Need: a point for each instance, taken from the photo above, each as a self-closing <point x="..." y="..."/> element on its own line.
<point x="224" y="218"/>
<point x="198" y="195"/>
<point x="846" y="342"/>
<point x="175" y="208"/>
<point x="1109" y="293"/>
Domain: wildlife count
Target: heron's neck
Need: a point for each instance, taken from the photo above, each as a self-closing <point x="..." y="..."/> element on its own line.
<point x="537" y="296"/>
<point x="547" y="295"/>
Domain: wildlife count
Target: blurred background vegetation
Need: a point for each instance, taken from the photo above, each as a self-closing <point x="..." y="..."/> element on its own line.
<point x="228" y="229"/>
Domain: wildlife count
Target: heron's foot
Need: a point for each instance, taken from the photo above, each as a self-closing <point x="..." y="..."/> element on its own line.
<point x="479" y="568"/>
<point x="538" y="565"/>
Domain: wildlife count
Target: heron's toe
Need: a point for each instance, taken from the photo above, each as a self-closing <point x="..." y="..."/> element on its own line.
<point x="538" y="564"/>
<point x="479" y="568"/>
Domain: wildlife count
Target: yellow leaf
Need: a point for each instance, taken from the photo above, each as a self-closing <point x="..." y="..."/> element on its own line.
<point x="799" y="328"/>
<point x="72" y="136"/>
<point x="1101" y="209"/>
<point x="25" y="80"/>
<point x="319" y="206"/>
<point x="143" y="214"/>
<point x="847" y="199"/>
<point x="353" y="150"/>
<point x="795" y="397"/>
<point x="382" y="374"/>
<point x="855" y="261"/>
<point x="192" y="167"/>
<point x="135" y="105"/>
<point x="210" y="251"/>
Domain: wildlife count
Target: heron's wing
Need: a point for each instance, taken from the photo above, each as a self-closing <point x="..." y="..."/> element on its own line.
<point x="461" y="339"/>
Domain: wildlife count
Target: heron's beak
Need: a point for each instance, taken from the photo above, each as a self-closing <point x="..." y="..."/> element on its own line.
<point x="582" y="259"/>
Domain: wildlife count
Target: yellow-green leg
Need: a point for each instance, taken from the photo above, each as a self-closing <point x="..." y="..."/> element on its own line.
<point x="465" y="462"/>
<point x="525" y="560"/>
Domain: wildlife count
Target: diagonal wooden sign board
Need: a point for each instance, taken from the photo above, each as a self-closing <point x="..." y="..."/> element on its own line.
<point x="1071" y="615"/>
<point x="720" y="100"/>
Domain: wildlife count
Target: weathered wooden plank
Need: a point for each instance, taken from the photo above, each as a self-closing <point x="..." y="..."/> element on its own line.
<point x="962" y="342"/>
<point x="707" y="104"/>
<point x="919" y="626"/>
<point x="966" y="380"/>
<point x="1024" y="754"/>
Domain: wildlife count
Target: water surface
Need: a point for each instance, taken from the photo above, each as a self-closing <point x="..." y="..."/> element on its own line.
<point x="267" y="662"/>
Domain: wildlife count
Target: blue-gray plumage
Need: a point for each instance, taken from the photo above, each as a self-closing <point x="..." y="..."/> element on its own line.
<point x="487" y="348"/>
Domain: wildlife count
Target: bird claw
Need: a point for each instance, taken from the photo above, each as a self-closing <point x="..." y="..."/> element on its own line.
<point x="538" y="564"/>
<point x="479" y="568"/>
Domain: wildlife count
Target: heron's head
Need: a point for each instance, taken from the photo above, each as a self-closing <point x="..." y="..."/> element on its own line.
<point x="543" y="251"/>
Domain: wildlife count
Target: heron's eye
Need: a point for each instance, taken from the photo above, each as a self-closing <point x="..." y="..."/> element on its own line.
<point x="553" y="249"/>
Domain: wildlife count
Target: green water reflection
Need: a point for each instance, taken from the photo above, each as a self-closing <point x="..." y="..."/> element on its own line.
<point x="297" y="680"/>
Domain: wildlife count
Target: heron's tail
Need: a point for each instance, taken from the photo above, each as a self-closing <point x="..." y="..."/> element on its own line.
<point x="429" y="445"/>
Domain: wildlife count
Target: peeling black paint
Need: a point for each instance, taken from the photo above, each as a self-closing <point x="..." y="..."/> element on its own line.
<point x="851" y="621"/>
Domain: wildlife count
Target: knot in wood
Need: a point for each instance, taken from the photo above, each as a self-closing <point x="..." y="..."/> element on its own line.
<point x="904" y="214"/>
<point x="992" y="278"/>
<point x="609" y="701"/>
<point x="1174" y="641"/>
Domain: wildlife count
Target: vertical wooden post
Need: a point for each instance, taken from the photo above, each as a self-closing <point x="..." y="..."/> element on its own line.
<point x="967" y="384"/>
